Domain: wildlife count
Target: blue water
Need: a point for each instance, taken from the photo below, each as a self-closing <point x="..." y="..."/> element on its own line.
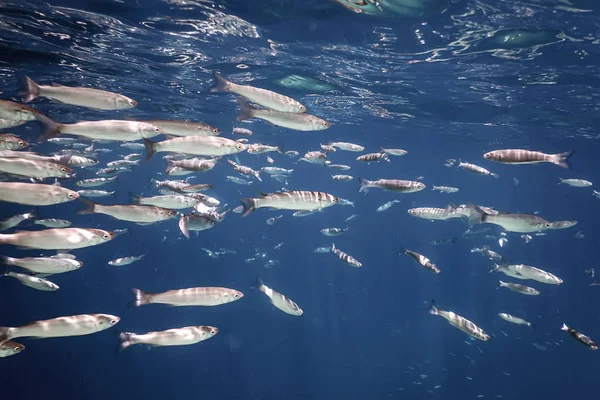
<point x="452" y="79"/>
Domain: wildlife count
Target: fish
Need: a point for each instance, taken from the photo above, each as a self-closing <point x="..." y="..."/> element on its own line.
<point x="521" y="223"/>
<point x="194" y="164"/>
<point x="74" y="325"/>
<point x="580" y="337"/>
<point x="196" y="145"/>
<point x="394" y="152"/>
<point x="333" y="231"/>
<point x="515" y="320"/>
<point x="433" y="213"/>
<point x="9" y="348"/>
<point x="476" y="169"/>
<point x="346" y="146"/>
<point x="123" y="163"/>
<point x="277" y="171"/>
<point x="520" y="156"/>
<point x="348" y="259"/>
<point x="196" y="296"/>
<point x="174" y="202"/>
<point x="17" y="112"/>
<point x="237" y="180"/>
<point x="263" y="97"/>
<point x="323" y="249"/>
<point x="131" y="213"/>
<point x="373" y="157"/>
<point x="10" y="123"/>
<point x="204" y="199"/>
<point x="114" y="130"/>
<point x="15" y="220"/>
<point x="516" y="287"/>
<point x="508" y="272"/>
<point x="279" y="300"/>
<point x="342" y="178"/>
<point x="172" y="337"/>
<point x="78" y="96"/>
<point x="487" y="252"/>
<point x="242" y="169"/>
<point x="445" y="189"/>
<point x="185" y="128"/>
<point x="314" y="157"/>
<point x="393" y="185"/>
<point x="596" y="194"/>
<point x="43" y="265"/>
<point x="341" y="167"/>
<point x="33" y="281"/>
<point x="258" y="148"/>
<point x="273" y="220"/>
<point x="575" y="182"/>
<point x="53" y="223"/>
<point x="423" y="261"/>
<point x="121" y="262"/>
<point x="327" y="148"/>
<point x="95" y="182"/>
<point x="459" y="322"/>
<point x="72" y="160"/>
<point x="57" y="238"/>
<point x="195" y="222"/>
<point x="295" y="121"/>
<point x="301" y="200"/>
<point x="242" y="131"/>
<point x="95" y="193"/>
<point x="8" y="141"/>
<point x="306" y="213"/>
<point x="387" y="205"/>
<point x="270" y="161"/>
<point x="33" y="168"/>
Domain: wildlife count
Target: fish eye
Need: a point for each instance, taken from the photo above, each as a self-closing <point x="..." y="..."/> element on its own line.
<point x="325" y="123"/>
<point x="172" y="213"/>
<point x="156" y="129"/>
<point x="106" y="236"/>
<point x="16" y="349"/>
<point x="63" y="170"/>
<point x="302" y="108"/>
<point x="113" y="321"/>
<point x="70" y="195"/>
<point x="213" y="332"/>
<point x="236" y="295"/>
<point x="21" y="143"/>
<point x="132" y="102"/>
<point x="216" y="130"/>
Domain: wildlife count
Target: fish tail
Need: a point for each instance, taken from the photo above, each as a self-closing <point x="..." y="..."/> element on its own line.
<point x="563" y="328"/>
<point x="6" y="260"/>
<point x="281" y="149"/>
<point x="183" y="226"/>
<point x="333" y="248"/>
<point x="4" y="334"/>
<point x="364" y="185"/>
<point x="258" y="283"/>
<point x="502" y="284"/>
<point x="495" y="175"/>
<point x="90" y="206"/>
<point x="169" y="169"/>
<point x="433" y="309"/>
<point x="51" y="127"/>
<point x="246" y="110"/>
<point x="150" y="149"/>
<point x="385" y="156"/>
<point x="495" y="268"/>
<point x="249" y="205"/>
<point x="126" y="340"/>
<point x="221" y="84"/>
<point x="562" y="159"/>
<point x="257" y="175"/>
<point x="141" y="298"/>
<point x="31" y="90"/>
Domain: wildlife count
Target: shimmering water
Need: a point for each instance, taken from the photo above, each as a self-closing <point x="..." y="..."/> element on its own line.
<point x="441" y="79"/>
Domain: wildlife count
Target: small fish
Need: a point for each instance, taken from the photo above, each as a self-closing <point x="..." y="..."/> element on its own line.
<point x="423" y="261"/>
<point x="314" y="157"/>
<point x="292" y="153"/>
<point x="348" y="259"/>
<point x="195" y="222"/>
<point x="197" y="296"/>
<point x="460" y="322"/>
<point x="476" y="169"/>
<point x="43" y="265"/>
<point x="242" y="131"/>
<point x="94" y="182"/>
<point x="341" y="167"/>
<point x="575" y="182"/>
<point x="9" y="348"/>
<point x="350" y="218"/>
<point x="279" y="300"/>
<point x="238" y="181"/>
<point x="346" y="146"/>
<point x="306" y="213"/>
<point x="515" y="320"/>
<point x="120" y="262"/>
<point x="434" y="213"/>
<point x="33" y="282"/>
<point x="445" y="189"/>
<point x="328" y="148"/>
<point x="11" y="222"/>
<point x="242" y="169"/>
<point x="53" y="223"/>
<point x="333" y="231"/>
<point x="580" y="337"/>
<point x="373" y="157"/>
<point x="270" y="161"/>
<point x="273" y="220"/>
<point x="95" y="193"/>
<point x="387" y="205"/>
<point x="295" y="121"/>
<point x="78" y="96"/>
<point x="185" y="128"/>
<point x="185" y="336"/>
<point x="258" y="148"/>
<point x="174" y="202"/>
<point x="324" y="249"/>
<point x="75" y="325"/>
<point x="394" y="152"/>
<point x="393" y="185"/>
<point x="516" y="287"/>
<point x="342" y="178"/>
<point x="520" y="156"/>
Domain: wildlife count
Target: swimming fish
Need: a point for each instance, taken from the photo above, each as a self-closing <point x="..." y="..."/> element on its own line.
<point x="197" y="145"/>
<point x="33" y="281"/>
<point x="292" y="200"/>
<point x="120" y="262"/>
<point x="515" y="320"/>
<point x="58" y="238"/>
<point x="580" y="337"/>
<point x="295" y="121"/>
<point x="575" y="182"/>
<point x="348" y="259"/>
<point x="393" y="185"/>
<point x="520" y="156"/>
<point x="516" y="287"/>
<point x="172" y="337"/>
<point x="459" y="322"/>
<point x="423" y="261"/>
<point x="476" y="169"/>
<point x="279" y="300"/>
<point x="196" y="296"/>
<point x="131" y="213"/>
<point x="9" y="348"/>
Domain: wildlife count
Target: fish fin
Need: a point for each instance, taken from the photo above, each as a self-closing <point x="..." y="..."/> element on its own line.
<point x="51" y="128"/>
<point x="495" y="268"/>
<point x="135" y="198"/>
<point x="149" y="149"/>
<point x="249" y="205"/>
<point x="477" y="214"/>
<point x="385" y="156"/>
<point x="258" y="176"/>
<point x="125" y="338"/>
<point x="563" y="328"/>
<point x="258" y="283"/>
<point x="562" y="159"/>
<point x="281" y="149"/>
<point x="495" y="175"/>
<point x="183" y="226"/>
<point x="31" y="90"/>
<point x="141" y="298"/>
<point x="364" y="185"/>
<point x="221" y="84"/>
<point x="433" y="309"/>
<point x="90" y="206"/>
<point x="4" y="336"/>
<point x="246" y="110"/>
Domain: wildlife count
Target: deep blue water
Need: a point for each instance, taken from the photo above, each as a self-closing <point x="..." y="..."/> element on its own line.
<point x="443" y="82"/>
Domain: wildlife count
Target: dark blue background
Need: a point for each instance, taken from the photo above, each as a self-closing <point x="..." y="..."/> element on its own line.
<point x="437" y="84"/>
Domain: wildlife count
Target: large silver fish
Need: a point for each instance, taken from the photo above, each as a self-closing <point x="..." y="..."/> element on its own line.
<point x="131" y="213"/>
<point x="295" y="121"/>
<point x="75" y="325"/>
<point x="520" y="156"/>
<point x="35" y="194"/>
<point x="522" y="223"/>
<point x="33" y="168"/>
<point x="197" y="145"/>
<point x="185" y="128"/>
<point x="17" y="112"/>
<point x="172" y="337"/>
<point x="293" y="200"/>
<point x="43" y="265"/>
<point x="197" y="296"/>
<point x="459" y="322"/>
<point x="393" y="185"/>
<point x="33" y="281"/>
<point x="57" y="238"/>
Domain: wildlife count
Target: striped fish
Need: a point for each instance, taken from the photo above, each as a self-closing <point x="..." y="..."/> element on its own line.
<point x="302" y="200"/>
<point x="435" y="213"/>
<point x="580" y="337"/>
<point x="373" y="157"/>
<point x="423" y="261"/>
<point x="348" y="259"/>
<point x="517" y="287"/>
<point x="242" y="169"/>
<point x="476" y="169"/>
<point x="279" y="300"/>
<point x="393" y="185"/>
<point x="519" y="156"/>
<point x="459" y="322"/>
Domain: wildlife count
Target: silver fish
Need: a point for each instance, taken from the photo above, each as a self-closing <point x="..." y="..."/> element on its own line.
<point x="131" y="213"/>
<point x="238" y="181"/>
<point x="515" y="320"/>
<point x="242" y="131"/>
<point x="460" y="322"/>
<point x="197" y="296"/>
<point x="394" y="152"/>
<point x="94" y="182"/>
<point x="242" y="169"/>
<point x="78" y="96"/>
<point x="194" y="222"/>
<point x="197" y="145"/>
<point x="575" y="182"/>
<point x="423" y="261"/>
<point x="433" y="213"/>
<point x="373" y="157"/>
<point x="185" y="128"/>
<point x="342" y="178"/>
<point x="346" y="146"/>
<point x="121" y="262"/>
<point x="445" y="189"/>
<point x="8" y="141"/>
<point x="58" y="238"/>
<point x="75" y="325"/>
<point x="520" y="156"/>
<point x="17" y="112"/>
<point x="258" y="148"/>
<point x="301" y="200"/>
<point x="295" y="121"/>
<point x="44" y="265"/>
<point x="314" y="157"/>
<point x="11" y="222"/>
<point x="393" y="185"/>
<point x="341" y="167"/>
<point x="9" y="123"/>
<point x="279" y="300"/>
<point x="516" y="287"/>
<point x="194" y="164"/>
<point x="35" y="194"/>
<point x="387" y="205"/>
<point x="33" y="168"/>
<point x="9" y="348"/>
<point x="33" y="281"/>
<point x="175" y="202"/>
<point x="172" y="337"/>
<point x="53" y="223"/>
<point x="277" y="171"/>
<point x="476" y="169"/>
<point x="273" y="220"/>
<point x="333" y="231"/>
<point x="521" y="223"/>
<point x="95" y="193"/>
